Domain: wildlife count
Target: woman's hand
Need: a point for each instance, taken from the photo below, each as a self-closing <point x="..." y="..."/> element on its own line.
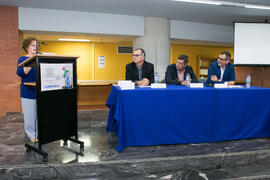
<point x="26" y="70"/>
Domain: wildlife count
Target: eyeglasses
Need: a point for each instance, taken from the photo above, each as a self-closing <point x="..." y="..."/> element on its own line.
<point x="181" y="63"/>
<point x="222" y="59"/>
<point x="136" y="55"/>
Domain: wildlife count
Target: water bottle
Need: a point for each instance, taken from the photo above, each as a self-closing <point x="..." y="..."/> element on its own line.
<point x="187" y="79"/>
<point x="248" y="81"/>
<point x="156" y="77"/>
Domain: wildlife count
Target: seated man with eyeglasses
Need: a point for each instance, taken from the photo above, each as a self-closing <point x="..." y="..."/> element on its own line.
<point x="222" y="70"/>
<point x="140" y="71"/>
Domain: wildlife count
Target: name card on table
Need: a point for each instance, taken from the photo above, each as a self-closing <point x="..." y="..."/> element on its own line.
<point x="196" y="85"/>
<point x="235" y="86"/>
<point x="158" y="85"/>
<point x="221" y="85"/>
<point x="120" y="83"/>
<point x="125" y="85"/>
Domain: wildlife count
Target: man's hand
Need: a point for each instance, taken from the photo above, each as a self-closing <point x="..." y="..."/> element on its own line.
<point x="144" y="82"/>
<point x="230" y="82"/>
<point x="183" y="83"/>
<point x="214" y="78"/>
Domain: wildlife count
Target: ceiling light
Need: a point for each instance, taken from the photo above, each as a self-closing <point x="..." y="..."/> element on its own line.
<point x="257" y="7"/>
<point x="227" y="3"/>
<point x="77" y="40"/>
<point x="201" y="2"/>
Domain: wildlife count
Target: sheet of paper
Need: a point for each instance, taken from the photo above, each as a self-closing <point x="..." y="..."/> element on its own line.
<point x="56" y="76"/>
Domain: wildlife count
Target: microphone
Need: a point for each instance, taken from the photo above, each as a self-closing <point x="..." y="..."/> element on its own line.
<point x="43" y="43"/>
<point x="37" y="47"/>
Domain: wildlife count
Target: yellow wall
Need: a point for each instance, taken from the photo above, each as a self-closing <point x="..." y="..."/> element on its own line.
<point x="194" y="51"/>
<point x="115" y="63"/>
<point x="82" y="49"/>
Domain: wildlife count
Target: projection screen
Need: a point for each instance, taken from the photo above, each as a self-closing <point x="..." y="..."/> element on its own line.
<point x="252" y="44"/>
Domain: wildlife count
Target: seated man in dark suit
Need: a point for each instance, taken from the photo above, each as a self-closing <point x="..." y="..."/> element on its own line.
<point x="140" y="71"/>
<point x="176" y="73"/>
<point x="221" y="70"/>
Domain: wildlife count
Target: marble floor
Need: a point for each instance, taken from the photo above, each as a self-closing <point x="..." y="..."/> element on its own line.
<point x="239" y="159"/>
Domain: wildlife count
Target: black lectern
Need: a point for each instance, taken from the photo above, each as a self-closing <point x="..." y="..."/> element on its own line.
<point x="56" y="96"/>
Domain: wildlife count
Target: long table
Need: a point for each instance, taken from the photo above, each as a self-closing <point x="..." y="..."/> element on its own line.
<point x="179" y="114"/>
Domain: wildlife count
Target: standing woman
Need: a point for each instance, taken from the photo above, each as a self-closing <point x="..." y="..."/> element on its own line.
<point x="28" y="94"/>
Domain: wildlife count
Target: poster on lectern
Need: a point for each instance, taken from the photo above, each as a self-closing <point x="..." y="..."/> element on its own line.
<point x="56" y="76"/>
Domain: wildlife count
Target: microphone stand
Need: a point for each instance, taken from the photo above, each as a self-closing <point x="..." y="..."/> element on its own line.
<point x="37" y="48"/>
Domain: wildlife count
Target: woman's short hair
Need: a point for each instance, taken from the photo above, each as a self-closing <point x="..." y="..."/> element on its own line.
<point x="27" y="42"/>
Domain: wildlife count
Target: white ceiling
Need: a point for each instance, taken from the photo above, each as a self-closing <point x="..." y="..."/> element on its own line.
<point x="211" y="14"/>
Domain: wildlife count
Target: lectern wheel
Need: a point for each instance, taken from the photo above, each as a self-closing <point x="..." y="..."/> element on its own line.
<point x="45" y="159"/>
<point x="28" y="150"/>
<point x="81" y="150"/>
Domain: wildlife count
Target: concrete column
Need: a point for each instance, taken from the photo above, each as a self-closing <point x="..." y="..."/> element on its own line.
<point x="156" y="43"/>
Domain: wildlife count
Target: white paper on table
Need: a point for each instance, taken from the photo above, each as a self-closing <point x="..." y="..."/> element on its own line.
<point x="196" y="85"/>
<point x="127" y="82"/>
<point x="220" y="85"/>
<point x="158" y="85"/>
<point x="235" y="86"/>
<point x="126" y="87"/>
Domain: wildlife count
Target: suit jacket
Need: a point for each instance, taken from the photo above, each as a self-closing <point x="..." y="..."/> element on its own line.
<point x="171" y="76"/>
<point x="214" y="69"/>
<point x="147" y="71"/>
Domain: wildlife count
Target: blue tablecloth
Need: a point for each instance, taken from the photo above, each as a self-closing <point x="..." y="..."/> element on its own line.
<point x="179" y="114"/>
